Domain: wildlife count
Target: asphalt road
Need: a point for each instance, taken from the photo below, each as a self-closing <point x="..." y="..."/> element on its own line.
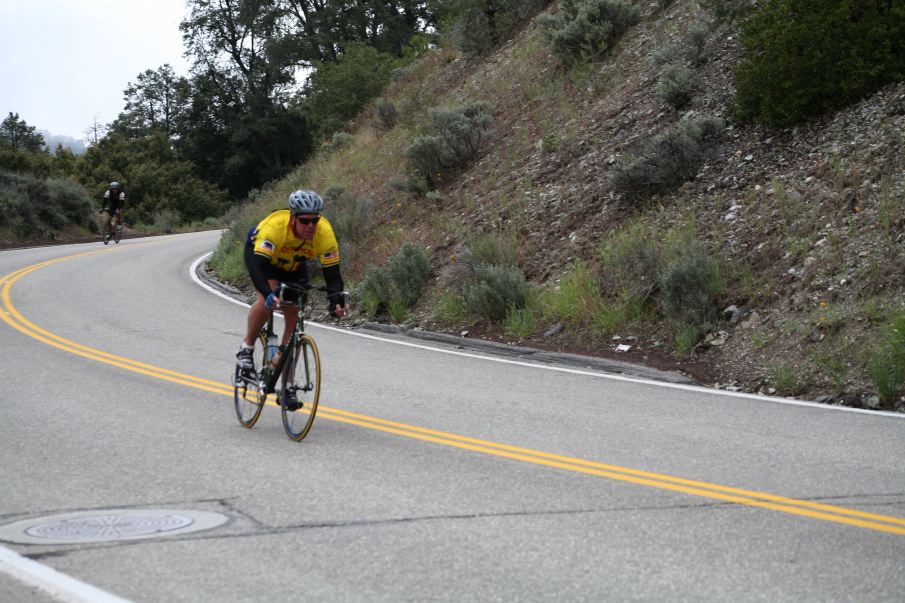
<point x="437" y="474"/>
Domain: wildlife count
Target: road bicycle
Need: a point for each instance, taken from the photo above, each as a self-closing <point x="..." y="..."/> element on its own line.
<point x="297" y="366"/>
<point x="113" y="229"/>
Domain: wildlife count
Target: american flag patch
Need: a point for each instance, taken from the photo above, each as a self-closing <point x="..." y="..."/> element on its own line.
<point x="266" y="246"/>
<point x="331" y="255"/>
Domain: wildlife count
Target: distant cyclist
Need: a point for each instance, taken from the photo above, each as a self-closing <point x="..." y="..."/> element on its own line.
<point x="276" y="251"/>
<point x="114" y="203"/>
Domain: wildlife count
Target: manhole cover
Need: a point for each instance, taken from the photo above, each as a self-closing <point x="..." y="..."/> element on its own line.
<point x="109" y="525"/>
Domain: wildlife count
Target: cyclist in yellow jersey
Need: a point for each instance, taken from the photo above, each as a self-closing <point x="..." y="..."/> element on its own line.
<point x="276" y="251"/>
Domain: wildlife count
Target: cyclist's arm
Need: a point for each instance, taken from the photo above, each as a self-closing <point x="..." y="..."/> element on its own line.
<point x="257" y="264"/>
<point x="334" y="281"/>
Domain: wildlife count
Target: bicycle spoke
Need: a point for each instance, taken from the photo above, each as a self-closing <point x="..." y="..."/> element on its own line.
<point x="247" y="395"/>
<point x="301" y="382"/>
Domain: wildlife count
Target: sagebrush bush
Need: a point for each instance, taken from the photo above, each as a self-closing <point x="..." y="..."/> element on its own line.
<point x="457" y="135"/>
<point x="375" y="290"/>
<point x="165" y="221"/>
<point x="805" y="57"/>
<point x="631" y="260"/>
<point x="697" y="37"/>
<point x="350" y="215"/>
<point x="33" y="207"/>
<point x="666" y="54"/>
<point x="495" y="290"/>
<point x="691" y="285"/>
<point x="408" y="270"/>
<point x="386" y="114"/>
<point x="677" y="85"/>
<point x="669" y="159"/>
<point x="584" y="30"/>
<point x="340" y="140"/>
<point x="396" y="286"/>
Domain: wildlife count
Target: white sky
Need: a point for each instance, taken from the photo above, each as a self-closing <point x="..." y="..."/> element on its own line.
<point x="65" y="62"/>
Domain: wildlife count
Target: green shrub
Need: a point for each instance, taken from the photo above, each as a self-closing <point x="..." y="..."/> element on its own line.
<point x="495" y="290"/>
<point x="669" y="159"/>
<point x="677" y="85"/>
<point x="577" y="298"/>
<point x="697" y="37"/>
<point x="727" y="11"/>
<point x="520" y="322"/>
<point x="398" y="310"/>
<point x="350" y="215"/>
<point x="806" y="57"/>
<point x="495" y="248"/>
<point x="227" y="260"/>
<point x="685" y="338"/>
<point x="478" y="26"/>
<point x="165" y="221"/>
<point x="337" y="90"/>
<point x="36" y="208"/>
<point x="666" y="54"/>
<point x="408" y="270"/>
<point x="340" y="140"/>
<point x="397" y="286"/>
<point x="450" y="307"/>
<point x="376" y="290"/>
<point x="784" y="379"/>
<point x="456" y="137"/>
<point x="631" y="259"/>
<point x="887" y="363"/>
<point x="584" y="30"/>
<point x="690" y="286"/>
<point x="386" y="114"/>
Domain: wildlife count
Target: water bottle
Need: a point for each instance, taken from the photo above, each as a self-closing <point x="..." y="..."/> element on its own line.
<point x="272" y="347"/>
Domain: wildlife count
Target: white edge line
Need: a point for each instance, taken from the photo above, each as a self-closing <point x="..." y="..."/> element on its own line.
<point x="56" y="584"/>
<point x="690" y="388"/>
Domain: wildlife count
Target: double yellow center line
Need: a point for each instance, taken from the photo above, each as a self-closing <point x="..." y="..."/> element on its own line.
<point x="804" y="508"/>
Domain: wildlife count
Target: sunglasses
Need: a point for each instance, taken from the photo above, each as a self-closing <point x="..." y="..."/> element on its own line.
<point x="307" y="221"/>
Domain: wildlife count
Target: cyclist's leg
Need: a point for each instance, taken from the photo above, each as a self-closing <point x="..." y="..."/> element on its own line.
<point x="257" y="316"/>
<point x="290" y="310"/>
<point x="258" y="313"/>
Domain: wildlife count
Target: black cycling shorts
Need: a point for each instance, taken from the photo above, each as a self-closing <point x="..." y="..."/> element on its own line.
<point x="271" y="272"/>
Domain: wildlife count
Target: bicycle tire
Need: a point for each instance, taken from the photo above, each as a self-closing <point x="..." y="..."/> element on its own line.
<point x="106" y="234"/>
<point x="248" y="398"/>
<point x="302" y="375"/>
<point x="117" y="233"/>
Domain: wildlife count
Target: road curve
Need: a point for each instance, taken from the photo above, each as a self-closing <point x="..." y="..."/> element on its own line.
<point x="429" y="475"/>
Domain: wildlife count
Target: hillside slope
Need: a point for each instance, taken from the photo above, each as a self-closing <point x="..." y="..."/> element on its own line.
<point x="808" y="222"/>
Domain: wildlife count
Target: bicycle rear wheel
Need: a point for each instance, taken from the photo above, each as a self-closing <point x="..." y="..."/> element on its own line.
<point x="248" y="393"/>
<point x="301" y="377"/>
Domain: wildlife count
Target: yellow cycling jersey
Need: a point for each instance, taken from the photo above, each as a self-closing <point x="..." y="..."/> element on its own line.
<point x="274" y="239"/>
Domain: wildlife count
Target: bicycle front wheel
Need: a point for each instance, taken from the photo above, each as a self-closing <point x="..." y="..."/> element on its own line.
<point x="106" y="233"/>
<point x="117" y="233"/>
<point x="248" y="394"/>
<point x="301" y="384"/>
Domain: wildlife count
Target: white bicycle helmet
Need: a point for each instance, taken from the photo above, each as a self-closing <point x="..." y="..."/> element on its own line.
<point x="114" y="184"/>
<point x="305" y="202"/>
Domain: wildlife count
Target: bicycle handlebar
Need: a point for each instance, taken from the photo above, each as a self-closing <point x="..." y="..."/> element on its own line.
<point x="303" y="288"/>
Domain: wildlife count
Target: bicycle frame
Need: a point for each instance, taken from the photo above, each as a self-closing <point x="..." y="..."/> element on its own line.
<point x="272" y="372"/>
